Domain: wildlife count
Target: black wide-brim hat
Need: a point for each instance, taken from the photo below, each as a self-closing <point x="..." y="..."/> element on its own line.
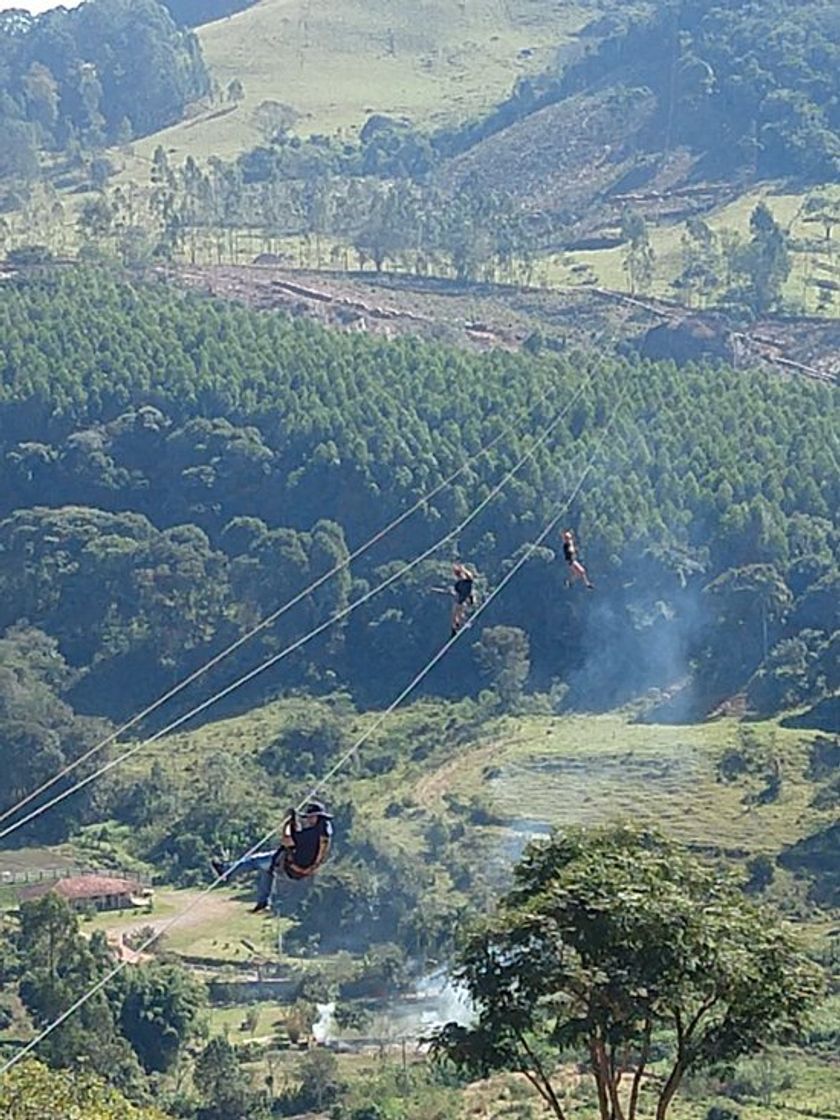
<point x="316" y="809"/>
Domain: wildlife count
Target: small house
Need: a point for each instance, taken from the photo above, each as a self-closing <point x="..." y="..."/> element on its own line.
<point x="100" y="892"/>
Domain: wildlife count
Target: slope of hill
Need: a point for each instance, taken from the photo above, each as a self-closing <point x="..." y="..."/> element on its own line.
<point x="753" y="795"/>
<point x="734" y="85"/>
<point x="560" y="159"/>
<point x="732" y="789"/>
<point x="337" y="62"/>
<point x="194" y="440"/>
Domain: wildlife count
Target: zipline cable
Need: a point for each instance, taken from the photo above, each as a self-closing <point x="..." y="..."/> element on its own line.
<point x="282" y="654"/>
<point x="269" y="620"/>
<point x="363" y="738"/>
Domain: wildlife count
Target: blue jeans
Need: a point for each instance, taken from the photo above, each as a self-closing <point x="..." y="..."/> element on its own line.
<point x="261" y="862"/>
<point x="266" y="879"/>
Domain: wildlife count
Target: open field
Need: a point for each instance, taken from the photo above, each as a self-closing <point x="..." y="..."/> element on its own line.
<point x="338" y="61"/>
<point x="230" y="1021"/>
<point x="606" y="266"/>
<point x="590" y="769"/>
<point x="213" y="929"/>
<point x="17" y="862"/>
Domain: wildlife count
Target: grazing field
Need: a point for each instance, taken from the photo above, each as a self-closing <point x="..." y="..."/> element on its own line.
<point x="338" y="61"/>
<point x="16" y="863"/>
<point x="546" y="772"/>
<point x="606" y="266"/>
<point x="213" y="930"/>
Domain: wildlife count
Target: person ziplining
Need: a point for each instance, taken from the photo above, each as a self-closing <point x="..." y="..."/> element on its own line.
<point x="305" y="840"/>
<point x="576" y="569"/>
<point x="465" y="598"/>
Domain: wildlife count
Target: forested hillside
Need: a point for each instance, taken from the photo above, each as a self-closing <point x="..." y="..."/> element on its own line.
<point x="618" y="162"/>
<point x="227" y="539"/>
<point x="752" y="87"/>
<point x="174" y="468"/>
<point x="81" y="79"/>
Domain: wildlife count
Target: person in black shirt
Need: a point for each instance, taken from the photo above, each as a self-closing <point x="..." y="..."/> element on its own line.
<point x="304" y="845"/>
<point x="464" y="591"/>
<point x="576" y="569"/>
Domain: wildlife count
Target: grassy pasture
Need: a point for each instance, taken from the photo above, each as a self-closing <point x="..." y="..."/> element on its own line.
<point x="215" y="929"/>
<point x="337" y="61"/>
<point x="606" y="266"/>
<point x="585" y="769"/>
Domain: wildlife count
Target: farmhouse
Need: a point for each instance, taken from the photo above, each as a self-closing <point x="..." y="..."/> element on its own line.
<point x="98" y="891"/>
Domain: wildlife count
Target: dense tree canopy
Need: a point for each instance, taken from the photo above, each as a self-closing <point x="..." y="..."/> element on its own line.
<point x="31" y="1091"/>
<point x="145" y="1017"/>
<point x="39" y="732"/>
<point x="56" y="966"/>
<point x="97" y="73"/>
<point x="173" y="468"/>
<point x="159" y="1007"/>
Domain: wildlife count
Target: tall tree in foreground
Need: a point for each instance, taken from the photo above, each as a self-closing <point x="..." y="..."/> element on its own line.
<point x="611" y="939"/>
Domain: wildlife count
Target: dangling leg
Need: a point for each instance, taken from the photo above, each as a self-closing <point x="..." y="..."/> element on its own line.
<point x="579" y="572"/>
<point x="457" y="617"/>
<point x="265" y="884"/>
<point x="587" y="581"/>
<point x="259" y="861"/>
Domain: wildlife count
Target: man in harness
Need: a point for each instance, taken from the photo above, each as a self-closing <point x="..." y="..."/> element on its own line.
<point x="464" y="591"/>
<point x="305" y="840"/>
<point x="576" y="569"/>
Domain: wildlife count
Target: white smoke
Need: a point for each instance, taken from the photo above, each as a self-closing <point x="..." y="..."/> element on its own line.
<point x="444" y="1002"/>
<point x="323" y="1029"/>
<point x="409" y="1017"/>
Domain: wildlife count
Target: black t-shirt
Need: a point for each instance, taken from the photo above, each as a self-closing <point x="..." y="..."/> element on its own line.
<point x="463" y="589"/>
<point x="308" y="842"/>
<point x="569" y="551"/>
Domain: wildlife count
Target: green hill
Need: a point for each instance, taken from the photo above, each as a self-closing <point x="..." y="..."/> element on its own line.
<point x="175" y="467"/>
<point x="733" y="89"/>
<point x="751" y="794"/>
<point x="336" y="63"/>
<point x="519" y="143"/>
<point x="173" y="446"/>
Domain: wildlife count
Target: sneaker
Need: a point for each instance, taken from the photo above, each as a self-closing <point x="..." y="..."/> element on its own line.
<point x="590" y="586"/>
<point x="258" y="909"/>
